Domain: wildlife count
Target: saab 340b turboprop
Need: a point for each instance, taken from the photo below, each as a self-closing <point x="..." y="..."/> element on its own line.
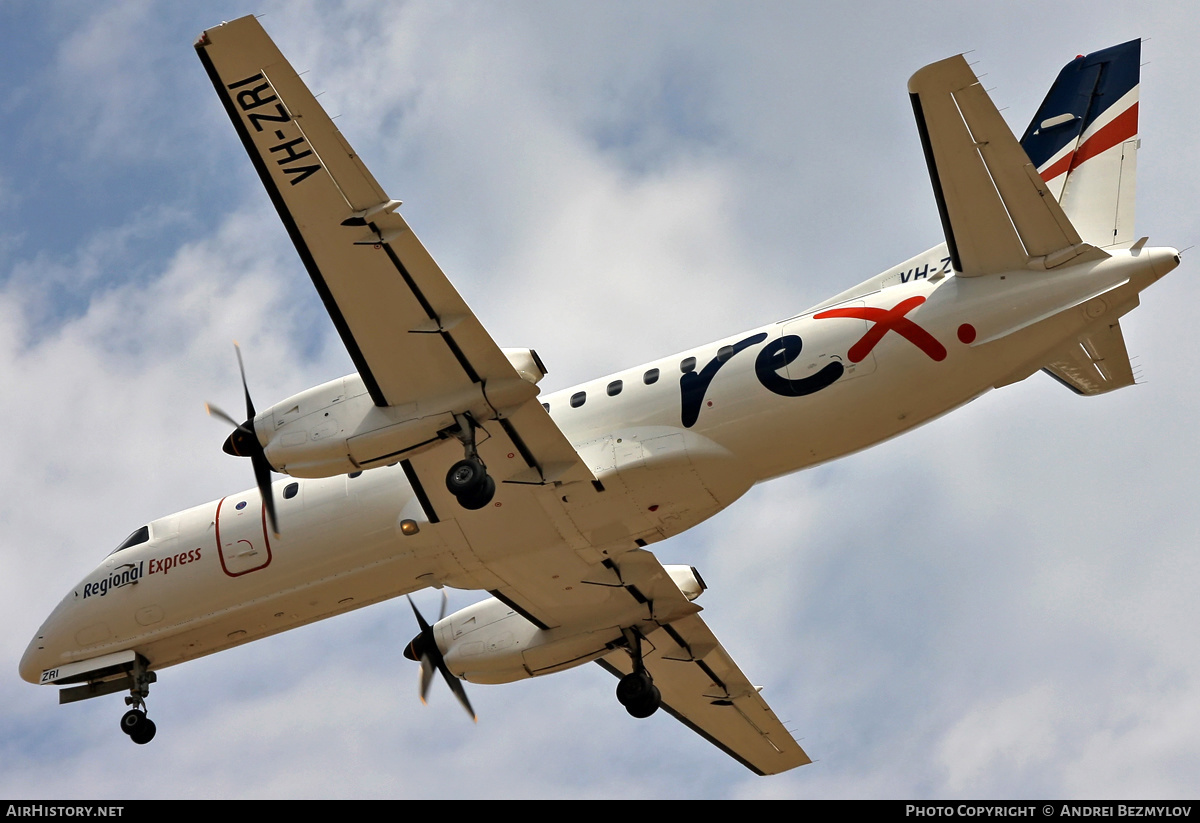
<point x="437" y="464"/>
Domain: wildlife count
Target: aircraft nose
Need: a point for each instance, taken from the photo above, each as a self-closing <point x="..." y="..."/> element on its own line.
<point x="36" y="659"/>
<point x="45" y="649"/>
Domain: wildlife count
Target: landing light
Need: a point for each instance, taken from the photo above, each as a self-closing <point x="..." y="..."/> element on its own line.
<point x="409" y="527"/>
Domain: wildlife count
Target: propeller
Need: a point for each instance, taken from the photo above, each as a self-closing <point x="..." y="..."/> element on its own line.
<point x="243" y="442"/>
<point x="424" y="648"/>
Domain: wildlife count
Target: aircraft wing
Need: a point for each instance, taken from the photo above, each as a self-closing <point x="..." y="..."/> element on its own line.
<point x="997" y="213"/>
<point x="410" y="334"/>
<point x="700" y="683"/>
<point x="701" y="686"/>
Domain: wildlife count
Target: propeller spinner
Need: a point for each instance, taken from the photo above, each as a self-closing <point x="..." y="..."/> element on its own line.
<point x="243" y="442"/>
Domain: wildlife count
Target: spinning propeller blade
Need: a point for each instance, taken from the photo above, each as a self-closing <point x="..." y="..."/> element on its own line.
<point x="424" y="648"/>
<point x="243" y="442"/>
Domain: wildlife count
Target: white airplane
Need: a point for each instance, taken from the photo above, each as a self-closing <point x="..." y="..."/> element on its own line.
<point x="437" y="464"/>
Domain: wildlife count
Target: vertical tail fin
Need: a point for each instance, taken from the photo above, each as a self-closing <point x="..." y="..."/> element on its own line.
<point x="1084" y="138"/>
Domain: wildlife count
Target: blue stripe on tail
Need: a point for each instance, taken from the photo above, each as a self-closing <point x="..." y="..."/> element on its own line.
<point x="1085" y="88"/>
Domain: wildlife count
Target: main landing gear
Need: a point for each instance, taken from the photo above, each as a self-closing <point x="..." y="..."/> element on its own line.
<point x="134" y="722"/>
<point x="636" y="691"/>
<point x="468" y="479"/>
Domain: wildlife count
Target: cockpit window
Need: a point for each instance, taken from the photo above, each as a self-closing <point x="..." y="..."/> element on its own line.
<point x="139" y="536"/>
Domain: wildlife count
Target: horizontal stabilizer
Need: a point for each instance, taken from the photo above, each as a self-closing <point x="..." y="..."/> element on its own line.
<point x="1097" y="363"/>
<point x="997" y="213"/>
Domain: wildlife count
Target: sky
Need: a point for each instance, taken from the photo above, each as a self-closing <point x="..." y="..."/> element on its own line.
<point x="999" y="604"/>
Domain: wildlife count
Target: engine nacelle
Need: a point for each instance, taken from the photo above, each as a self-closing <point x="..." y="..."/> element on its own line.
<point x="336" y="428"/>
<point x="688" y="580"/>
<point x="489" y="642"/>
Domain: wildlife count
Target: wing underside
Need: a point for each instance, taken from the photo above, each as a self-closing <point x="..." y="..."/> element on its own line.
<point x="703" y="688"/>
<point x="701" y="685"/>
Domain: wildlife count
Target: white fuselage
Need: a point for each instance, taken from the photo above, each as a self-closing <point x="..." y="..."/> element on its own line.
<point x="902" y="348"/>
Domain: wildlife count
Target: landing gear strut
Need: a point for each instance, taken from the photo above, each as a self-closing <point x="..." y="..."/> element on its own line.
<point x="636" y="691"/>
<point x="468" y="479"/>
<point x="134" y="722"/>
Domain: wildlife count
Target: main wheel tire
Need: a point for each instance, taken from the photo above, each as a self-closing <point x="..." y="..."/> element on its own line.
<point x="132" y="720"/>
<point x="646" y="704"/>
<point x="144" y="733"/>
<point x="632" y="688"/>
<point x="465" y="477"/>
<point x="481" y="496"/>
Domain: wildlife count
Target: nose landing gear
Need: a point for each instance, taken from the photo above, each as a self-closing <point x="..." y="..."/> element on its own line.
<point x="134" y="722"/>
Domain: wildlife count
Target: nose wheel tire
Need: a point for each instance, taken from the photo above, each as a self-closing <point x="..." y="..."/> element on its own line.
<point x="140" y="728"/>
<point x="144" y="734"/>
<point x="131" y="720"/>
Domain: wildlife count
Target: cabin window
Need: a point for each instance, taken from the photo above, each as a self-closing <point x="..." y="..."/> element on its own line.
<point x="688" y="364"/>
<point x="650" y="377"/>
<point x="355" y="474"/>
<point x="578" y="399"/>
<point x="614" y="388"/>
<point x="724" y="353"/>
<point x="142" y="535"/>
<point x="546" y="406"/>
<point x="290" y="490"/>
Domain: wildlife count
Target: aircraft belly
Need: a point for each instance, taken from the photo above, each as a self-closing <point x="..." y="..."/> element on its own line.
<point x="658" y="480"/>
<point x="651" y="482"/>
<point x="173" y="623"/>
<point x="288" y="609"/>
<point x="191" y="591"/>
